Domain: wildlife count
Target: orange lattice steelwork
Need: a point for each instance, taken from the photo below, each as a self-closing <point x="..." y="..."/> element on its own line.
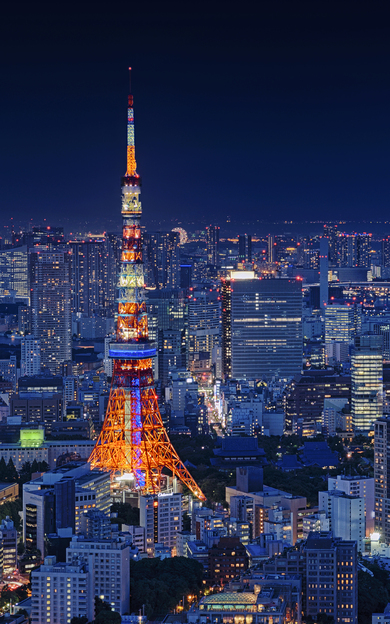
<point x="133" y="439"/>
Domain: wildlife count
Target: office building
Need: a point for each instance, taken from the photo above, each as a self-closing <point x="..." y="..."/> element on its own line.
<point x="58" y="499"/>
<point x="8" y="370"/>
<point x="324" y="267"/>
<point x="30" y="358"/>
<point x="305" y="396"/>
<point x="14" y="279"/>
<point x="366" y="381"/>
<point x="51" y="306"/>
<point x="363" y="487"/>
<point x="382" y="477"/>
<point x="346" y="515"/>
<point x="96" y="525"/>
<point x="245" y="248"/>
<point x="331" y="577"/>
<point x="109" y="561"/>
<point x="89" y="276"/>
<point x="226" y="560"/>
<point x="161" y="517"/>
<point x="339" y="323"/>
<point x="226" y="317"/>
<point x="62" y="591"/>
<point x="386" y="252"/>
<point x="266" y="327"/>
<point x="161" y="257"/>
<point x="212" y="235"/>
<point x="9" y="540"/>
<point x="203" y="323"/>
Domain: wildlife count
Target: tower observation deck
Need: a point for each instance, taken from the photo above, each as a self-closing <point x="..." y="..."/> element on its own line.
<point x="133" y="439"/>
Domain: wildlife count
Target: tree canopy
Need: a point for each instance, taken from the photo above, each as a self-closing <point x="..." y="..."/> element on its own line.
<point x="159" y="585"/>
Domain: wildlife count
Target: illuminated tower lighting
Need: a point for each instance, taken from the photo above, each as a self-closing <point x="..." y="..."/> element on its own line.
<point x="133" y="439"/>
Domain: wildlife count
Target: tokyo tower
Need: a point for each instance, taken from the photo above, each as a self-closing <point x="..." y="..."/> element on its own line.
<point x="133" y="438"/>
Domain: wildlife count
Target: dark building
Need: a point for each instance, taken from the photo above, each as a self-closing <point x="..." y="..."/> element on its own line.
<point x="226" y="560"/>
<point x="64" y="495"/>
<point x="245" y="248"/>
<point x="226" y="314"/>
<point x="236" y="451"/>
<point x="386" y="251"/>
<point x="51" y="305"/>
<point x="39" y="400"/>
<point x="185" y="275"/>
<point x="328" y="567"/>
<point x="89" y="276"/>
<point x="212" y="233"/>
<point x="161" y="257"/>
<point x="304" y="399"/>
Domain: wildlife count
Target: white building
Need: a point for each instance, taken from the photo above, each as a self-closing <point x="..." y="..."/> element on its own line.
<point x="61" y="591"/>
<point x="358" y="486"/>
<point x="315" y="522"/>
<point x="346" y="515"/>
<point x="109" y="561"/>
<point x="30" y="356"/>
<point x="137" y="535"/>
<point x="182" y="539"/>
<point x="161" y="517"/>
<point x="330" y="414"/>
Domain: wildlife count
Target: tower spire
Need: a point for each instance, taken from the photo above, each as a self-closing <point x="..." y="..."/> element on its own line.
<point x="133" y="438"/>
<point x="131" y="163"/>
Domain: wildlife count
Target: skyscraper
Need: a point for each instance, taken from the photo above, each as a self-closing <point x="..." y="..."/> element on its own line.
<point x="339" y="323"/>
<point x="226" y="315"/>
<point x="89" y="275"/>
<point x="162" y="259"/>
<point x="245" y="248"/>
<point x="30" y="357"/>
<point x="212" y="232"/>
<point x="14" y="272"/>
<point x="382" y="477"/>
<point x="324" y="287"/>
<point x="266" y="327"/>
<point x="51" y="306"/>
<point x="204" y="311"/>
<point x="366" y="381"/>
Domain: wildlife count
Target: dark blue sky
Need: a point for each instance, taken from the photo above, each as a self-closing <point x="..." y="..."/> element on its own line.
<point x="279" y="111"/>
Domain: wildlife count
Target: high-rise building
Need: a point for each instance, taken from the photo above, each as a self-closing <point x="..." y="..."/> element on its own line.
<point x="358" y="486"/>
<point x="14" y="279"/>
<point x="386" y="252"/>
<point x="272" y="249"/>
<point x="51" y="306"/>
<point x="366" y="381"/>
<point x="162" y="259"/>
<point x="331" y="577"/>
<point x="324" y="265"/>
<point x="266" y="327"/>
<point x="109" y="562"/>
<point x="212" y="233"/>
<point x="382" y="477"/>
<point x="226" y="316"/>
<point x="346" y="515"/>
<point x="226" y="560"/>
<point x="30" y="357"/>
<point x="339" y="323"/>
<point x="204" y="313"/>
<point x="245" y="248"/>
<point x="9" y="540"/>
<point x="62" y="591"/>
<point x="161" y="517"/>
<point x="89" y="276"/>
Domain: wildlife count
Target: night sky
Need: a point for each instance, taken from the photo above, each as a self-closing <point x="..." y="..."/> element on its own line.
<point x="274" y="112"/>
